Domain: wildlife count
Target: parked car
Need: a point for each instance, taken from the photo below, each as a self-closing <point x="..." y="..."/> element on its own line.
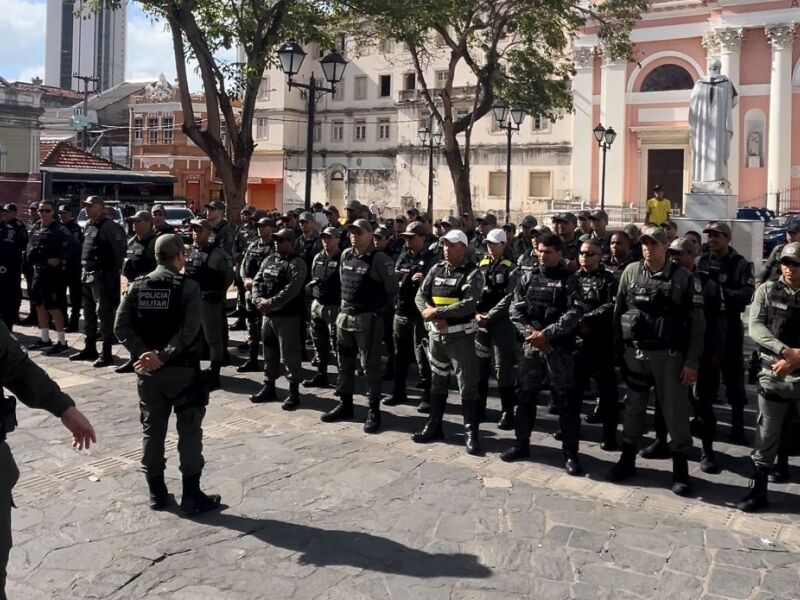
<point x="775" y="230"/>
<point x="114" y="213"/>
<point x="754" y="213"/>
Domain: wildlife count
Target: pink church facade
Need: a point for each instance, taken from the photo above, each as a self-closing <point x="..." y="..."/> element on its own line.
<point x="647" y="102"/>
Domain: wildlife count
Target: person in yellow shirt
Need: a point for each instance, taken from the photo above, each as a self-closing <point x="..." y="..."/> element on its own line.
<point x="658" y="208"/>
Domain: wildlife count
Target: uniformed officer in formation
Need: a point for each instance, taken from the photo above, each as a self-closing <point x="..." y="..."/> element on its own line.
<point x="101" y="260"/>
<point x="485" y="223"/>
<point x="222" y="234"/>
<point x="278" y="294"/>
<point x="619" y="255"/>
<point x="448" y="300"/>
<point x="160" y="225"/>
<point x="408" y="328"/>
<point x="522" y="241"/>
<point x="368" y="284"/>
<point x="158" y="321"/>
<point x="381" y="238"/>
<point x="659" y="328"/>
<point x="771" y="271"/>
<point x="564" y="226"/>
<point x="254" y="255"/>
<point x="496" y="340"/>
<point x="21" y="240"/>
<point x="598" y="219"/>
<point x="72" y="270"/>
<point x="246" y="234"/>
<point x="326" y="293"/>
<point x="211" y="267"/>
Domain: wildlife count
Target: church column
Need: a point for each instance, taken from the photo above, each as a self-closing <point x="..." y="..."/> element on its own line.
<point x="612" y="114"/>
<point x="730" y="46"/>
<point x="582" y="138"/>
<point x="781" y="38"/>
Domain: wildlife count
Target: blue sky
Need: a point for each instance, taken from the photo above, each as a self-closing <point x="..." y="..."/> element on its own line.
<point x="149" y="47"/>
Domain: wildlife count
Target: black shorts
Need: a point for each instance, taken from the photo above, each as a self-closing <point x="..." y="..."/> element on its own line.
<point x="48" y="289"/>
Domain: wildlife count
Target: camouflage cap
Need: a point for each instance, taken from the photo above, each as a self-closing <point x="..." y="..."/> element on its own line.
<point x="791" y="253"/>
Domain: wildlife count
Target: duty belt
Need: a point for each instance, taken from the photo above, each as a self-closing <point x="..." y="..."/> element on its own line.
<point x="355" y="310"/>
<point x="470" y="327"/>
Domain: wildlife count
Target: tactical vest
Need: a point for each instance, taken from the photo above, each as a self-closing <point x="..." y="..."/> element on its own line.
<point x="495" y="275"/>
<point x="156" y="309"/>
<point x="360" y="292"/>
<point x="528" y="262"/>
<point x="137" y="261"/>
<point x="256" y="253"/>
<point x="246" y="235"/>
<point x="546" y="296"/>
<point x="449" y="289"/>
<point x="783" y="315"/>
<point x="407" y="266"/>
<point x="209" y="280"/>
<point x="593" y="288"/>
<point x="39" y="245"/>
<point x="653" y="320"/>
<point x="712" y="269"/>
<point x="96" y="255"/>
<point x="275" y="277"/>
<point x="325" y="271"/>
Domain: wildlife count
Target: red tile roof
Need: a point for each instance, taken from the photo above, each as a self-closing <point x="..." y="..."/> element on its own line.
<point x="66" y="156"/>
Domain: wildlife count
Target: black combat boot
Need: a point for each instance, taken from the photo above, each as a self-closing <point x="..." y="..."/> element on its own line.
<point x="472" y="440"/>
<point x="340" y="412"/>
<point x="507" y="398"/>
<point x="265" y="394"/>
<point x="779" y="473"/>
<point x="596" y="416"/>
<point x="319" y="380"/>
<point x="398" y="395"/>
<point x="126" y="367"/>
<point x="293" y="399"/>
<point x="159" y="495"/>
<point x="519" y="449"/>
<point x="626" y="465"/>
<point x="681" y="486"/>
<point x="708" y="459"/>
<point x="212" y="376"/>
<point x="251" y="365"/>
<point x="483" y="398"/>
<point x="194" y="500"/>
<point x="89" y="351"/>
<point x="572" y="464"/>
<point x="756" y="499"/>
<point x="433" y="429"/>
<point x="658" y="449"/>
<point x="424" y="406"/>
<point x="609" y="443"/>
<point x="106" y="357"/>
<point x="373" y="422"/>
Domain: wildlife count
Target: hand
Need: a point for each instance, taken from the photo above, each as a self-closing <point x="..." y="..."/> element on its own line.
<point x="688" y="376"/>
<point x="792" y="355"/>
<point x="429" y="313"/>
<point x="482" y="320"/>
<point x="537" y="339"/>
<point x="440" y="325"/>
<point x="263" y="306"/>
<point x="148" y="361"/>
<point x="248" y="284"/>
<point x="83" y="435"/>
<point x="416" y="277"/>
<point x="782" y="368"/>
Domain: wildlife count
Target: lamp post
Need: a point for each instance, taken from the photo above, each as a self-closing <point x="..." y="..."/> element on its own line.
<point x="604" y="137"/>
<point x="291" y="56"/>
<point x="509" y="125"/>
<point x="430" y="139"/>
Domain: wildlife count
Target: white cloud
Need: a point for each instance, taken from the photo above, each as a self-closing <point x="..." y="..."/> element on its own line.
<point x="24" y="32"/>
<point x="28" y="73"/>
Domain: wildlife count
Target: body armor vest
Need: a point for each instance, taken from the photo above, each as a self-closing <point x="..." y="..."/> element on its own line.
<point x="325" y="271"/>
<point x="275" y="277"/>
<point x="137" y="261"/>
<point x="711" y="269"/>
<point x="361" y="292"/>
<point x="197" y="268"/>
<point x="783" y="315"/>
<point x="528" y="262"/>
<point x="449" y="289"/>
<point x="407" y="266"/>
<point x="256" y="253"/>
<point x="546" y="296"/>
<point x="495" y="275"/>
<point x="95" y="254"/>
<point x="157" y="309"/>
<point x="652" y="319"/>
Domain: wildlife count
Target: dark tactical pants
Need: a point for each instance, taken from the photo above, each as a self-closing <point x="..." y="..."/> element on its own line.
<point x="214" y="324"/>
<point x="455" y="353"/>
<point x="11" y="297"/>
<point x="359" y="337"/>
<point x="100" y="302"/>
<point x="410" y="337"/>
<point x="557" y="367"/>
<point x="281" y="347"/>
<point x="388" y="337"/>
<point x="776" y="395"/>
<point x="660" y="369"/>
<point x="8" y="478"/>
<point x="323" y="332"/>
<point x="75" y="290"/>
<point x="160" y="393"/>
<point x="595" y="360"/>
<point x="498" y="345"/>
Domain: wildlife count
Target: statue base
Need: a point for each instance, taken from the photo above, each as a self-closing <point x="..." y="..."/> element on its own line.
<point x="710" y="206"/>
<point x="711" y="187"/>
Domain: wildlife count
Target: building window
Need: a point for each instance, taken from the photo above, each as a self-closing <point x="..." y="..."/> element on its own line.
<point x="495" y="126"/>
<point x="264" y="89"/>
<point x="441" y="78"/>
<point x="337" y="131"/>
<point x="152" y="131"/>
<point x="540" y="123"/>
<point x="360" y="87"/>
<point x="317" y="131"/>
<point x="497" y="184"/>
<point x="138" y="129"/>
<point x="410" y="81"/>
<point x="385" y="86"/>
<point x="166" y="130"/>
<point x="540" y="184"/>
<point x="384" y="129"/>
<point x="387" y="46"/>
<point x="666" y="78"/>
<point x="262" y="128"/>
<point x="359" y="130"/>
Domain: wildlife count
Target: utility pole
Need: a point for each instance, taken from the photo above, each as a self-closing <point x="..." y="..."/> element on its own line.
<point x="85" y="131"/>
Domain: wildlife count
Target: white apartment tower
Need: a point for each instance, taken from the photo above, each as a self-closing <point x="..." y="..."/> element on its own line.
<point x="80" y="41"/>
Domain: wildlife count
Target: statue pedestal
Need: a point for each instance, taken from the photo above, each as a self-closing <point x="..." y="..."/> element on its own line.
<point x="710" y="206"/>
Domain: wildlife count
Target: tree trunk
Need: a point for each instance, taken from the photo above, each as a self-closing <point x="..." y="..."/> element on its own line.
<point x="234" y="184"/>
<point x="459" y="172"/>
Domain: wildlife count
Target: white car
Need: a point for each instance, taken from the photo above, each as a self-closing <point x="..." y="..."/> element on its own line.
<point x="117" y="218"/>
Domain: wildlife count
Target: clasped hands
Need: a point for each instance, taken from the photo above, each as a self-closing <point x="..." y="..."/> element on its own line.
<point x="788" y="364"/>
<point x="429" y="314"/>
<point x="148" y="362"/>
<point x="537" y="340"/>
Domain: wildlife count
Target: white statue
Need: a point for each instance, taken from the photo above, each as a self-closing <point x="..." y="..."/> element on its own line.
<point x="754" y="145"/>
<point x="158" y="91"/>
<point x="712" y="101"/>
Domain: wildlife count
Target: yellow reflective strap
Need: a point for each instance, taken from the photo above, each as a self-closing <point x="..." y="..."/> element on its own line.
<point x="443" y="300"/>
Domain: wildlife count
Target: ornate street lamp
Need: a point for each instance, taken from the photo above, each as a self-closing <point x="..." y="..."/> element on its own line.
<point x="432" y="140"/>
<point x="604" y="138"/>
<point x="501" y="115"/>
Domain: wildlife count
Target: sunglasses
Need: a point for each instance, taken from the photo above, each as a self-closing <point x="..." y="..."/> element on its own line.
<point x="589" y="254"/>
<point x="45" y="210"/>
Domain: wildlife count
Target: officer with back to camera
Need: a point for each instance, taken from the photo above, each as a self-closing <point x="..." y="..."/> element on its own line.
<point x="158" y="321"/>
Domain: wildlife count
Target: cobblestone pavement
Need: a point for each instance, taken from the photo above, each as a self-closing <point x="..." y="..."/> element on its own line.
<point x="326" y="511"/>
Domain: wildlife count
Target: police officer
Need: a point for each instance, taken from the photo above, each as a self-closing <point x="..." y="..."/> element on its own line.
<point x="598" y="292"/>
<point x="659" y="328"/>
<point x="546" y="312"/>
<point x="598" y="219"/>
<point x="21" y="241"/>
<point x="448" y="299"/>
<point x="158" y="321"/>
<point x="522" y="242"/>
<point x="564" y="225"/>
<point x="326" y="291"/>
<point x="619" y="255"/>
<point x="368" y="284"/>
<point x="733" y="276"/>
<point x="408" y="328"/>
<point x="73" y="270"/>
<point x="246" y="234"/>
<point x="10" y="271"/>
<point x="101" y="259"/>
<point x="212" y="268"/>
<point x="529" y="260"/>
<point x="584" y="223"/>
<point x="255" y="254"/>
<point x="485" y="223"/>
<point x="160" y="225"/>
<point x="20" y="375"/>
<point x="222" y="234"/>
<point x="307" y="246"/>
<point x="278" y="295"/>
<point x="495" y="340"/>
<point x="775" y="327"/>
<point x="380" y="238"/>
<point x="771" y="270"/>
<point x="50" y="248"/>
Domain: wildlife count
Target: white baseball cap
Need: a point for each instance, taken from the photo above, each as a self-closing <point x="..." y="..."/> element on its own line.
<point x="496" y="236"/>
<point x="455" y="236"/>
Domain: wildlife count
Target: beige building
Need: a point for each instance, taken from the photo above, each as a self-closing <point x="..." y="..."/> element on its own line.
<point x="20" y="109"/>
<point x="367" y="147"/>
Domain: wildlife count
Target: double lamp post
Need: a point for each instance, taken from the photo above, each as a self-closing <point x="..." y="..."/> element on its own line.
<point x="604" y="137"/>
<point x="509" y="120"/>
<point x="432" y="140"/>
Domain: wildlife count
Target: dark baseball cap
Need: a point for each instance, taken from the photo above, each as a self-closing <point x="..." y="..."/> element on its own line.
<point x="94" y="200"/>
<point x="64" y="208"/>
<point x="283" y="234"/>
<point x="168" y="245"/>
<point x="361" y="224"/>
<point x="330" y="232"/>
<point x="204" y="223"/>
<point x="528" y="222"/>
<point x="382" y="231"/>
<point x="718" y="227"/>
<point x="487" y="218"/>
<point x="216" y="205"/>
<point x="142" y="215"/>
<point x="353" y="205"/>
<point x="306" y="216"/>
<point x="157" y="208"/>
<point x="415" y="228"/>
<point x="791" y="253"/>
<point x="584" y="214"/>
<point x="565" y="217"/>
<point x="598" y="215"/>
<point x="265" y="221"/>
